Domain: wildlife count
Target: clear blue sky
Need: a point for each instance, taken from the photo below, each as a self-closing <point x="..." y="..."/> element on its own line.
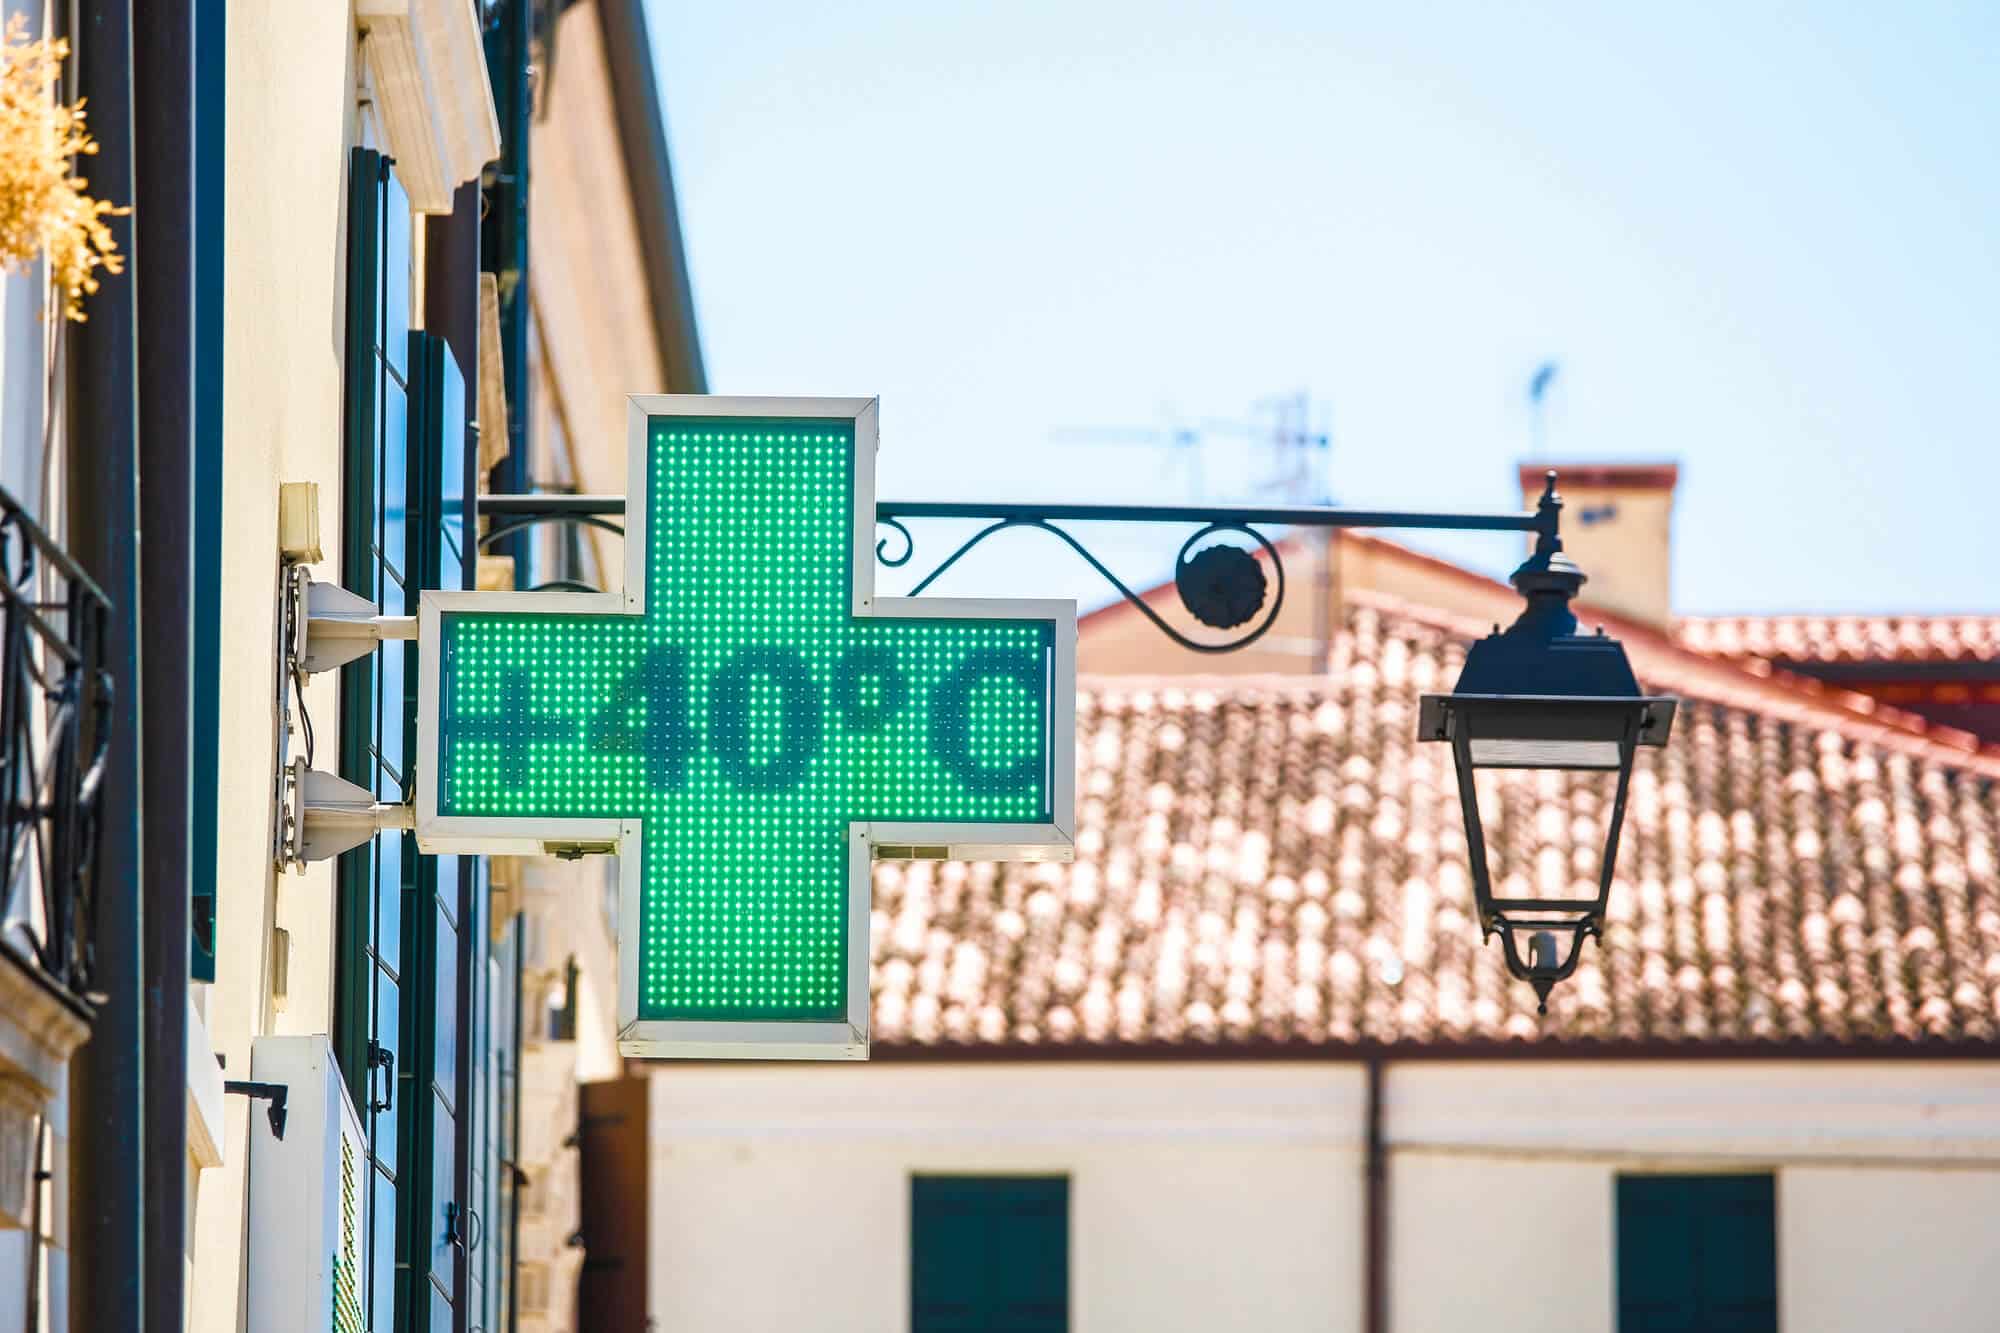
<point x="1761" y="240"/>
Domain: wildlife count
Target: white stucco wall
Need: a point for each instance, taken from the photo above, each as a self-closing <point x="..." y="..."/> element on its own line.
<point x="1216" y="1195"/>
<point x="1888" y="1182"/>
<point x="1861" y="1249"/>
<point x="781" y="1194"/>
<point x="1466" y="1234"/>
<point x="291" y="109"/>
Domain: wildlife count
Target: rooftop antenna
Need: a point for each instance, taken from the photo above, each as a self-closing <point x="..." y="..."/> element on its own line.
<point x="1538" y="392"/>
<point x="1291" y="471"/>
<point x="1181" y="441"/>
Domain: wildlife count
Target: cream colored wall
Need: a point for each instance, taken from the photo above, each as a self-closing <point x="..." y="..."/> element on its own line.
<point x="1225" y="1195"/>
<point x="1500" y="1245"/>
<point x="1363" y="564"/>
<point x="1888" y="1180"/>
<point x="1210" y="1198"/>
<point x="1627" y="556"/>
<point x="1861" y="1249"/>
<point x="291" y="119"/>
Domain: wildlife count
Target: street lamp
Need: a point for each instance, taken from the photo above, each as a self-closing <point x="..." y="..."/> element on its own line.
<point x="1538" y="696"/>
<point x="1541" y="695"/>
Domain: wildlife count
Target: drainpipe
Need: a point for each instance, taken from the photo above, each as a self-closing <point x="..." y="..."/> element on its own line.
<point x="1375" y="1236"/>
<point x="163" y="124"/>
<point x="109" y="1214"/>
<point x="509" y="39"/>
<point x="451" y="310"/>
<point x="513" y="1162"/>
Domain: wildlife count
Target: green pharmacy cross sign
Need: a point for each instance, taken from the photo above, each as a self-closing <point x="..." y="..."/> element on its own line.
<point x="748" y="726"/>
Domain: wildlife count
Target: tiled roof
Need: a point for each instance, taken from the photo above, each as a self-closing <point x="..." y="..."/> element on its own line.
<point x="1266" y="860"/>
<point x="1844" y="638"/>
<point x="1744" y="681"/>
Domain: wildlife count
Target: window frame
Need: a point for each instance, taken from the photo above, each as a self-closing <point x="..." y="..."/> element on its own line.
<point x="1025" y="1195"/>
<point x="1688" y="1222"/>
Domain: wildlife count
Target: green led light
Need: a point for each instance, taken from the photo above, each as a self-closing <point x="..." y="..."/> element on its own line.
<point x="747" y="718"/>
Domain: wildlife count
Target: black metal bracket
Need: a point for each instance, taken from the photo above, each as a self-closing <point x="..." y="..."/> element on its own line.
<point x="273" y="1093"/>
<point x="1224" y="591"/>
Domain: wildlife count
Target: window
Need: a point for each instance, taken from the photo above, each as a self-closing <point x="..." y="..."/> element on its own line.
<point x="1697" y="1254"/>
<point x="989" y="1254"/>
<point x="442" y="918"/>
<point x="410" y="1002"/>
<point x="370" y="986"/>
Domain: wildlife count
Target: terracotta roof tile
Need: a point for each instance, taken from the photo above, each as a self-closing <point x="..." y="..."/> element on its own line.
<point x="1844" y="638"/>
<point x="1276" y="860"/>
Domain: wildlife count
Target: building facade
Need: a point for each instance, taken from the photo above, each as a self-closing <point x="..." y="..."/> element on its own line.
<point x="1200" y="1190"/>
<point x="453" y="344"/>
<point x="262" y="1064"/>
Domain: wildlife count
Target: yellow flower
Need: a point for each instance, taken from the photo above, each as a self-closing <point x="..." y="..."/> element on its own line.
<point x="43" y="207"/>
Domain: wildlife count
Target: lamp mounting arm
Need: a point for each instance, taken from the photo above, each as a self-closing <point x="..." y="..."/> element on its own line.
<point x="1225" y="591"/>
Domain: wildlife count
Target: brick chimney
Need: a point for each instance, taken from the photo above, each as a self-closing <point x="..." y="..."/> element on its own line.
<point x="1617" y="523"/>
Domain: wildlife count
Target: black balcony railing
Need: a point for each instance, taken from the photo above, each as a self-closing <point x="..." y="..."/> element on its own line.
<point x="55" y="719"/>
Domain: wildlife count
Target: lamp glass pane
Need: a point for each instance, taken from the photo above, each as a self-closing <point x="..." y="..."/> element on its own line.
<point x="1544" y="832"/>
<point x="1510" y="752"/>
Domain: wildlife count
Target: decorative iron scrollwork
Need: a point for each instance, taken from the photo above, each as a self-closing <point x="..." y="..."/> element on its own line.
<point x="1221" y="591"/>
<point x="882" y="546"/>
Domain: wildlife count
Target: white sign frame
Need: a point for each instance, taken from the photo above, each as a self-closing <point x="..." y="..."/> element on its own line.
<point x="868" y="840"/>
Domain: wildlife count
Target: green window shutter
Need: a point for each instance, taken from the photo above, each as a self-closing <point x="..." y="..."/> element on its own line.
<point x="435" y="1224"/>
<point x="1697" y="1254"/>
<point x="205" y="713"/>
<point x="359" y="460"/>
<point x="989" y="1254"/>
<point x="371" y="992"/>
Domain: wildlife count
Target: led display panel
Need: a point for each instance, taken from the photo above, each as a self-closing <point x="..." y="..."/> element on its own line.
<point x="748" y="726"/>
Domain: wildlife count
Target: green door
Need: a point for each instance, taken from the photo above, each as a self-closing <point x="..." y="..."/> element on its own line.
<point x="1697" y="1254"/>
<point x="989" y="1254"/>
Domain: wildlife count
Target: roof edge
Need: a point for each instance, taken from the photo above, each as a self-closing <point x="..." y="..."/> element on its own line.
<point x="642" y="134"/>
<point x="1496" y="1048"/>
<point x="1835" y="617"/>
<point x="1624" y="476"/>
